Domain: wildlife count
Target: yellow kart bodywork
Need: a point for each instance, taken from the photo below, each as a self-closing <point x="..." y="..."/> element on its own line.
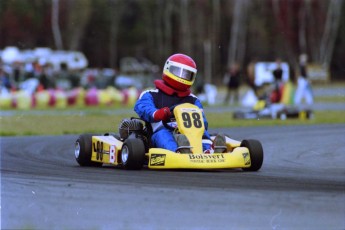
<point x="106" y="149"/>
<point x="190" y="122"/>
<point x="165" y="159"/>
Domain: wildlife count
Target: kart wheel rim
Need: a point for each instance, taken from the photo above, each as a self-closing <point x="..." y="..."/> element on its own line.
<point x="124" y="154"/>
<point x="77" y="149"/>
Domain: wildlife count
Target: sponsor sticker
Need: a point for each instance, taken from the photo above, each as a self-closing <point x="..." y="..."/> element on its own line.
<point x="189" y="110"/>
<point x="157" y="160"/>
<point x="203" y="158"/>
<point x="100" y="149"/>
<point x="246" y="158"/>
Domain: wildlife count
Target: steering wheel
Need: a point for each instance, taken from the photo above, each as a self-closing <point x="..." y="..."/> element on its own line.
<point x="171" y="119"/>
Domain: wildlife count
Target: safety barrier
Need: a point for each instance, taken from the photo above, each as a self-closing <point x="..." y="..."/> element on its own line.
<point x="62" y="99"/>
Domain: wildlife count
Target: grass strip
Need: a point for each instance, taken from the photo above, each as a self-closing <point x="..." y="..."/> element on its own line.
<point x="20" y="125"/>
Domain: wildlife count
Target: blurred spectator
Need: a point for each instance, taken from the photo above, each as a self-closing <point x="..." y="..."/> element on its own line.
<point x="278" y="71"/>
<point x="199" y="85"/>
<point x="74" y="76"/>
<point x="111" y="76"/>
<point x="251" y="75"/>
<point x="278" y="83"/>
<point x="232" y="79"/>
<point x="17" y="71"/>
<point x="63" y="80"/>
<point x="44" y="80"/>
<point x="5" y="82"/>
<point x="46" y="76"/>
<point x="37" y="69"/>
<point x="88" y="79"/>
<point x="303" y="90"/>
<point x="28" y="70"/>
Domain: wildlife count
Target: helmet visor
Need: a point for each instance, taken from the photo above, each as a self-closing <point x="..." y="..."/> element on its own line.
<point x="182" y="73"/>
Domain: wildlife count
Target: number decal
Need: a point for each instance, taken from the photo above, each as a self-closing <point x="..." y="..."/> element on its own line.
<point x="187" y="120"/>
<point x="99" y="150"/>
<point x="197" y="121"/>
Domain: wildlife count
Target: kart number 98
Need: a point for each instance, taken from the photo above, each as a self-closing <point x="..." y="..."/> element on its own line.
<point x="189" y="120"/>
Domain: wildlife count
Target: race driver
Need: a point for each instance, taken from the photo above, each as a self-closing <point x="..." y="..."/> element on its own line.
<point x="153" y="106"/>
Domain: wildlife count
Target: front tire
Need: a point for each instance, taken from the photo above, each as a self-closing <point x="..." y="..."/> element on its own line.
<point x="256" y="154"/>
<point x="83" y="151"/>
<point x="133" y="154"/>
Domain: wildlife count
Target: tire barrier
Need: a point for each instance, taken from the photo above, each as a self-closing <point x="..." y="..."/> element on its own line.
<point x="62" y="99"/>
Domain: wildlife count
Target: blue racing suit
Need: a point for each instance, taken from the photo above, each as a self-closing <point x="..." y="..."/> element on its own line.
<point x="151" y="100"/>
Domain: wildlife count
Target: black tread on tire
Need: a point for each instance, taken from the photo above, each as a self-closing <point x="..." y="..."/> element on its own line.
<point x="85" y="152"/>
<point x="136" y="154"/>
<point x="256" y="154"/>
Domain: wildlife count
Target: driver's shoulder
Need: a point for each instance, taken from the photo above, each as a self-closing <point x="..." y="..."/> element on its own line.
<point x="192" y="98"/>
<point x="148" y="92"/>
<point x="193" y="95"/>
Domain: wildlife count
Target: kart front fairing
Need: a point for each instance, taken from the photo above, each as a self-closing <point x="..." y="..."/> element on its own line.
<point x="189" y="121"/>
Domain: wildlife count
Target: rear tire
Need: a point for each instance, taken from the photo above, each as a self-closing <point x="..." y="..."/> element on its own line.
<point x="83" y="151"/>
<point x="133" y="154"/>
<point x="256" y="154"/>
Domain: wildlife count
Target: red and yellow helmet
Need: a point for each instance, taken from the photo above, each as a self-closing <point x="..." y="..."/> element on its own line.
<point x="179" y="72"/>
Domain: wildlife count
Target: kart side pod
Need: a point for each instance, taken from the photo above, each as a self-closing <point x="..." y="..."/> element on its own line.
<point x="92" y="150"/>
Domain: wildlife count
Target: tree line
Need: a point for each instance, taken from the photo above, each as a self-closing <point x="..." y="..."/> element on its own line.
<point x="216" y="33"/>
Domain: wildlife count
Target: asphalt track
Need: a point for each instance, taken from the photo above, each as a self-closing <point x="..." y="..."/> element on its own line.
<point x="300" y="186"/>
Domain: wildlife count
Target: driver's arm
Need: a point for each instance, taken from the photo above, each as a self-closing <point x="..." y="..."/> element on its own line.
<point x="145" y="106"/>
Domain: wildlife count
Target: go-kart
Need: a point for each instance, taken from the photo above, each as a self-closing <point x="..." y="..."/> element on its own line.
<point x="274" y="111"/>
<point x="132" y="148"/>
<point x="274" y="104"/>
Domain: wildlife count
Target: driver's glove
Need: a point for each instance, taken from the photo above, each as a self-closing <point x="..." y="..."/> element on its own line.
<point x="162" y="114"/>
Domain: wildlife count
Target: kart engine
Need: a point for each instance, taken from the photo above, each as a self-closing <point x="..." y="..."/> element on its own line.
<point x="128" y="126"/>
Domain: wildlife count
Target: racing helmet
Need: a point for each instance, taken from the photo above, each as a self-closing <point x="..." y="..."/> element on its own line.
<point x="179" y="72"/>
<point x="127" y="126"/>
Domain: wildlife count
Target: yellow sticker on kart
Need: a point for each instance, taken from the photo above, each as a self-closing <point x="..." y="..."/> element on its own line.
<point x="157" y="159"/>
